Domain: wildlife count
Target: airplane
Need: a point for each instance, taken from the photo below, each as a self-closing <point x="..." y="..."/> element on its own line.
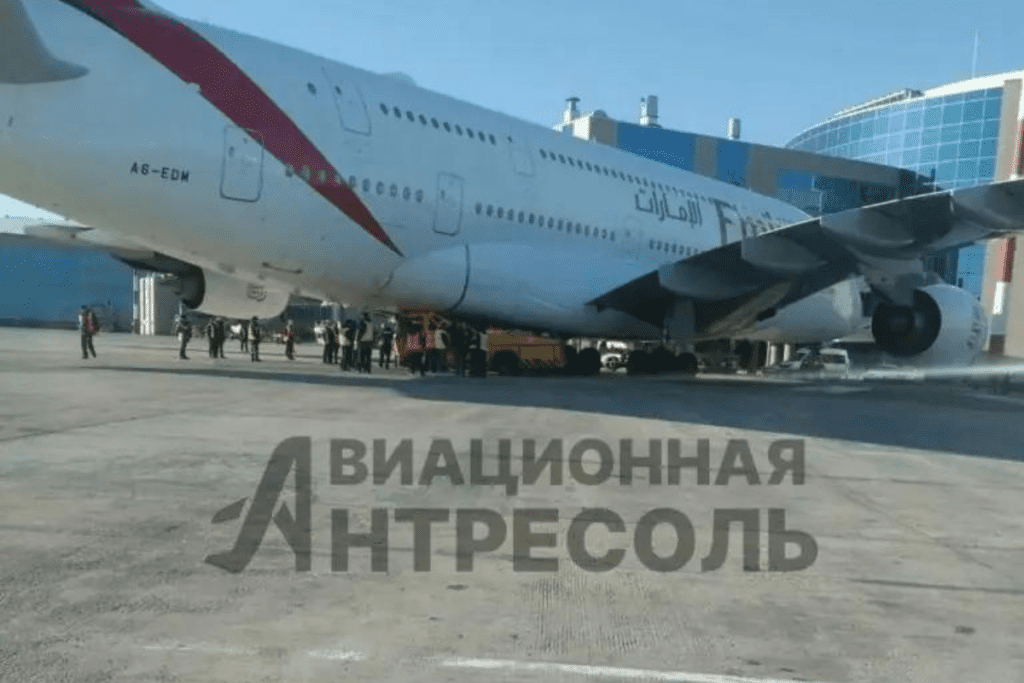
<point x="257" y="172"/>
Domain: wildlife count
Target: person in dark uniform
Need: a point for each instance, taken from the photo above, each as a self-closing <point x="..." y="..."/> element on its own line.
<point x="243" y="337"/>
<point x="211" y="337"/>
<point x="348" y="360"/>
<point x="365" y="336"/>
<point x="87" y="327"/>
<point x="220" y="334"/>
<point x="184" y="332"/>
<point x="255" y="337"/>
<point x="328" y="341"/>
<point x="289" y="340"/>
<point x="387" y="338"/>
<point x="457" y="341"/>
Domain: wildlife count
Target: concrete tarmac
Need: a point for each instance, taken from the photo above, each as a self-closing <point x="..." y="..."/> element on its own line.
<point x="113" y="469"/>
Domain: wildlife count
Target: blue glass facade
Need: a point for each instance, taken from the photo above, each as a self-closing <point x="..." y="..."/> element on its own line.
<point x="949" y="139"/>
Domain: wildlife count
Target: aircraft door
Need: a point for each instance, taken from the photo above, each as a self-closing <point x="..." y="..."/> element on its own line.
<point x="448" y="207"/>
<point x="522" y="159"/>
<point x="632" y="238"/>
<point x="350" y="105"/>
<point x="242" y="172"/>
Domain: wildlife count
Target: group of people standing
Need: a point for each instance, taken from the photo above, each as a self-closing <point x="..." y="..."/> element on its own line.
<point x="456" y="341"/>
<point x="349" y="344"/>
<point x="249" y="336"/>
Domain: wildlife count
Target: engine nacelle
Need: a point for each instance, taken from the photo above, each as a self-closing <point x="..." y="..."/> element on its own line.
<point x="945" y="326"/>
<point x="230" y="297"/>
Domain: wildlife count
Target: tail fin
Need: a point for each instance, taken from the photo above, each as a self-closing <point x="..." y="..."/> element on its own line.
<point x="23" y="57"/>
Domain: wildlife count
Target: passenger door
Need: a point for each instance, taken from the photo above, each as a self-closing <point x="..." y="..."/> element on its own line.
<point x="242" y="172"/>
<point x="448" y="205"/>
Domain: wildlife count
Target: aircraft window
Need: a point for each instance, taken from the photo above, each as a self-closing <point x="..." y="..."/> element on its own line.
<point x="589" y="168"/>
<point x="630" y="178"/>
<point x="511" y="214"/>
<point x="490" y="210"/>
<point x="434" y="123"/>
<point x="561" y="158"/>
<point x="352" y="182"/>
<point x="571" y="162"/>
<point x="501" y="212"/>
<point x="423" y="119"/>
<point x="559" y="224"/>
<point x="531" y="218"/>
<point x="406" y="193"/>
<point x="366" y="184"/>
<point x="394" y="190"/>
<point x="409" y="115"/>
<point x="469" y="132"/>
<point x="521" y="216"/>
<point x="579" y="228"/>
<point x="645" y="182"/>
<point x="586" y="231"/>
<point x="604" y="233"/>
<point x="479" y="208"/>
<point x="322" y="176"/>
<point x="398" y="113"/>
<point x="604" y="169"/>
<point x="540" y="221"/>
<point x="447" y="127"/>
<point x="458" y="129"/>
<point x="419" y="196"/>
<point x="312" y="88"/>
<point x="551" y="223"/>
<point x="493" y="141"/>
<point x="380" y="187"/>
<point x="384" y="107"/>
<point x="650" y="245"/>
<point x="543" y="154"/>
<point x="674" y="248"/>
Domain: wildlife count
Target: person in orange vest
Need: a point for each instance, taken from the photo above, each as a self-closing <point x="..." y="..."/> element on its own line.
<point x="87" y="326"/>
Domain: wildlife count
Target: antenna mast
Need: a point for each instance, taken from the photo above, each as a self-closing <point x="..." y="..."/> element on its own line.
<point x="974" y="62"/>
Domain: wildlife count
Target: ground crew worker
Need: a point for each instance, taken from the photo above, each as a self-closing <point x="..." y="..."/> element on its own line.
<point x="87" y="327"/>
<point x="348" y="332"/>
<point x="211" y="337"/>
<point x="440" y="350"/>
<point x="243" y="337"/>
<point x="457" y="341"/>
<point x="387" y="340"/>
<point x="220" y="333"/>
<point x="365" y="343"/>
<point x="184" y="332"/>
<point x="289" y="340"/>
<point x="255" y="337"/>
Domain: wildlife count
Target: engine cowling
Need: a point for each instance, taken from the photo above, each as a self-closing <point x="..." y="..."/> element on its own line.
<point x="945" y="326"/>
<point x="230" y="297"/>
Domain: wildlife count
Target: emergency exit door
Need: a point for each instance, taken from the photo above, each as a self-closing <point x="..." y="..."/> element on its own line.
<point x="242" y="174"/>
<point x="448" y="206"/>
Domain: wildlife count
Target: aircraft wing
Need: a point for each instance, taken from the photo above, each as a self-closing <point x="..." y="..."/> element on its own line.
<point x="734" y="285"/>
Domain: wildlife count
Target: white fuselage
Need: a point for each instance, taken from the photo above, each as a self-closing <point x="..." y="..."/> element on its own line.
<point x="491" y="216"/>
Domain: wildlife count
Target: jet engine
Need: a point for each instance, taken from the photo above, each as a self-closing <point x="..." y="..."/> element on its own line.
<point x="222" y="295"/>
<point x="945" y="326"/>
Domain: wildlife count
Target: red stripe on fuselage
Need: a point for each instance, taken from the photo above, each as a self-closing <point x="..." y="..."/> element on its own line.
<point x="195" y="60"/>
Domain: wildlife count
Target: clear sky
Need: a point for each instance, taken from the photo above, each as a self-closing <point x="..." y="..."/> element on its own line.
<point x="781" y="67"/>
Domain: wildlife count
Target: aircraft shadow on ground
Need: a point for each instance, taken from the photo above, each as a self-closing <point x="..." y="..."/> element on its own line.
<point x="898" y="416"/>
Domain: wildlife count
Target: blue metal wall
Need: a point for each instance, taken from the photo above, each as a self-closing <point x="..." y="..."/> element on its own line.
<point x="44" y="285"/>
